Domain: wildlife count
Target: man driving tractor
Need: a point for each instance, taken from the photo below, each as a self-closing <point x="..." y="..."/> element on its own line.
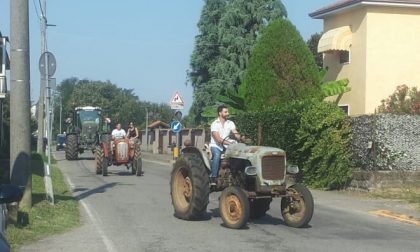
<point x="118" y="132"/>
<point x="221" y="129"/>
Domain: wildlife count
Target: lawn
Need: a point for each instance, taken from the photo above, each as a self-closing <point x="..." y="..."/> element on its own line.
<point x="45" y="219"/>
<point x="409" y="193"/>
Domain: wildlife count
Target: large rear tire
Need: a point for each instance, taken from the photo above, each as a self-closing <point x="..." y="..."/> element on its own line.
<point x="99" y="159"/>
<point x="71" y="147"/>
<point x="298" y="209"/>
<point x="258" y="207"/>
<point x="137" y="166"/>
<point x="234" y="207"/>
<point x="189" y="187"/>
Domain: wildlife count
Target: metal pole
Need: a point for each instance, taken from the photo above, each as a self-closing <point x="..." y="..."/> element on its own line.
<point x="41" y="101"/>
<point x="61" y="111"/>
<point x="147" y="129"/>
<point x="20" y="145"/>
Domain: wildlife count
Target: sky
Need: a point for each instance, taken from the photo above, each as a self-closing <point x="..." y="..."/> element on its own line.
<point x="142" y="45"/>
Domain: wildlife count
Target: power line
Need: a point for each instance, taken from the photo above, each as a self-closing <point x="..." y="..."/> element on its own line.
<point x="36" y="9"/>
<point x="42" y="10"/>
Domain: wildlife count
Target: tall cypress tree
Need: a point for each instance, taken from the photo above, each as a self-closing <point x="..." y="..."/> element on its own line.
<point x="228" y="31"/>
<point x="281" y="69"/>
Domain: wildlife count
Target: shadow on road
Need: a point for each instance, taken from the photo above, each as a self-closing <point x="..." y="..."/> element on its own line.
<point x="99" y="189"/>
<point x="86" y="158"/>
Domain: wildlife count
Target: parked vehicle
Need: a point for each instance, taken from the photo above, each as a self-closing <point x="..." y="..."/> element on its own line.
<point x="8" y="194"/>
<point x="61" y="142"/>
<point x="249" y="178"/>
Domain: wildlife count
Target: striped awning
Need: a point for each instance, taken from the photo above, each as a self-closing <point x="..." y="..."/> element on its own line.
<point x="338" y="39"/>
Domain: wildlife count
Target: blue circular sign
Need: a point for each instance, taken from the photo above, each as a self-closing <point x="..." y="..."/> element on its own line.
<point x="176" y="126"/>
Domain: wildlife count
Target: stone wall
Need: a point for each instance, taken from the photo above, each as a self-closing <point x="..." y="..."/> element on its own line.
<point x="162" y="140"/>
<point x="386" y="142"/>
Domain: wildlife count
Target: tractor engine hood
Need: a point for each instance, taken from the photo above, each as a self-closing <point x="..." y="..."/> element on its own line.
<point x="252" y="153"/>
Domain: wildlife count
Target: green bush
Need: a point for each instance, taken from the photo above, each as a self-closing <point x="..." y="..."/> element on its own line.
<point x="315" y="135"/>
<point x="279" y="125"/>
<point x="323" y="141"/>
<point x="281" y="69"/>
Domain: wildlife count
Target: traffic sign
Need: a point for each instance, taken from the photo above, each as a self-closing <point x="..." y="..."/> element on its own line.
<point x="177" y="102"/>
<point x="178" y="115"/>
<point x="47" y="62"/>
<point x="176" y="126"/>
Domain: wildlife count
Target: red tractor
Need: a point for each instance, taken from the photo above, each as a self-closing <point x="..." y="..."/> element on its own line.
<point x="118" y="152"/>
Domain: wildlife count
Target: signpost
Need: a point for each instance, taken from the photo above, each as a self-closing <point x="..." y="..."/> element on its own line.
<point x="177" y="104"/>
<point x="176" y="127"/>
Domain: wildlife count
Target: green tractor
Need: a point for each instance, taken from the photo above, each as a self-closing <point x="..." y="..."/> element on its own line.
<point x="84" y="131"/>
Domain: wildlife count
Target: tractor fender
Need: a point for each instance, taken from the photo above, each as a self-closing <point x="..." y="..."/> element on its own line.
<point x="106" y="149"/>
<point x="203" y="155"/>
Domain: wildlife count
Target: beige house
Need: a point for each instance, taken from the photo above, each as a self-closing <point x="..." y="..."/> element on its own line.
<point x="373" y="43"/>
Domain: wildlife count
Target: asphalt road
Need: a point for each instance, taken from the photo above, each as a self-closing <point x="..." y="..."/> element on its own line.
<point x="123" y="212"/>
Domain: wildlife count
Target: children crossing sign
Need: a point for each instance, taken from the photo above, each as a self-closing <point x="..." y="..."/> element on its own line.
<point x="177" y="102"/>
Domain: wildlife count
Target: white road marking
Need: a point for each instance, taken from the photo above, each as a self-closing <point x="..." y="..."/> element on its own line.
<point x="107" y="242"/>
<point x="158" y="162"/>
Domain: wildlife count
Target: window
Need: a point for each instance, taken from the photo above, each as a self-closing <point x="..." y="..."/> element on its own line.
<point x="345" y="108"/>
<point x="344" y="57"/>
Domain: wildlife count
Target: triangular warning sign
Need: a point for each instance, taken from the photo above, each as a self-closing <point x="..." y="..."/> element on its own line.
<point x="177" y="99"/>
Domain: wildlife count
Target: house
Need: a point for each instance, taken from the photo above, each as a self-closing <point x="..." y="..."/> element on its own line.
<point x="4" y="65"/>
<point x="373" y="43"/>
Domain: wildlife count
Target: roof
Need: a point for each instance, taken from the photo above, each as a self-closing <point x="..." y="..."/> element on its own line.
<point x="347" y="4"/>
<point x="157" y="124"/>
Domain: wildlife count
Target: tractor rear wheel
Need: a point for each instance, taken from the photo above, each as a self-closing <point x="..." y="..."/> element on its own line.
<point x="71" y="147"/>
<point x="234" y="207"/>
<point x="189" y="187"/>
<point x="258" y="207"/>
<point x="100" y="159"/>
<point x="137" y="162"/>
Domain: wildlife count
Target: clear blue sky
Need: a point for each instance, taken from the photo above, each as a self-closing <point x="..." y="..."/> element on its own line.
<point x="137" y="44"/>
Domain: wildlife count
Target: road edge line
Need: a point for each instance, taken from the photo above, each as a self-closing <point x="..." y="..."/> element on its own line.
<point x="396" y="216"/>
<point x="107" y="242"/>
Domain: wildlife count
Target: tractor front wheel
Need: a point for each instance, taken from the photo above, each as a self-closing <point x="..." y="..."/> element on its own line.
<point x="234" y="207"/>
<point x="297" y="209"/>
<point x="71" y="147"/>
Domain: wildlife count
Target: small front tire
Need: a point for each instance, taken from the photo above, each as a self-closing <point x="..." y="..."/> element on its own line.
<point x="298" y="208"/>
<point x="234" y="207"/>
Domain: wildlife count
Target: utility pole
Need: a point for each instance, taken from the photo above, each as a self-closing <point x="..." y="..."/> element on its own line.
<point x="20" y="145"/>
<point x="41" y="101"/>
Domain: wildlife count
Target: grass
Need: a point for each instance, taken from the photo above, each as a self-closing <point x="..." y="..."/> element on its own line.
<point x="409" y="193"/>
<point x="45" y="219"/>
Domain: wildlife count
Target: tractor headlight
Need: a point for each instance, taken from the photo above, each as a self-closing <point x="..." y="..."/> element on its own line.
<point x="292" y="169"/>
<point x="251" y="170"/>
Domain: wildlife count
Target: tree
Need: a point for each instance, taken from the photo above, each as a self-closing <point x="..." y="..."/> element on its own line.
<point x="313" y="47"/>
<point x="404" y="100"/>
<point x="280" y="69"/>
<point x="204" y="56"/>
<point x="228" y="32"/>
<point x="121" y="105"/>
